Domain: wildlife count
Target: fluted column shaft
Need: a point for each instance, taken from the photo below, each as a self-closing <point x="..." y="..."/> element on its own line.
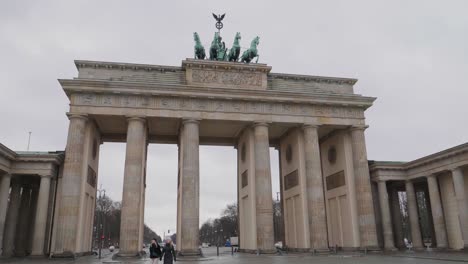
<point x="367" y="228"/>
<point x="22" y="232"/>
<point x="69" y="205"/>
<point x="413" y="215"/>
<point x="190" y="187"/>
<point x="386" y="216"/>
<point x="314" y="186"/>
<point x="264" y="205"/>
<point x="5" y="181"/>
<point x="459" y="186"/>
<point x="41" y="217"/>
<point x="396" y="219"/>
<point x="437" y="212"/>
<point x="135" y="157"/>
<point x="12" y="219"/>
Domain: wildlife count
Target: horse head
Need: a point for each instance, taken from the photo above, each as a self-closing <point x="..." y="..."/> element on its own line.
<point x="238" y="36"/>
<point x="196" y="37"/>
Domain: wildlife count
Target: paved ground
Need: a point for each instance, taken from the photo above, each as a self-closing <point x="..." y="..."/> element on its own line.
<point x="226" y="258"/>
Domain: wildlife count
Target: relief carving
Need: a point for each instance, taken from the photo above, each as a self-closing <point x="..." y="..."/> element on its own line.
<point x="227" y="78"/>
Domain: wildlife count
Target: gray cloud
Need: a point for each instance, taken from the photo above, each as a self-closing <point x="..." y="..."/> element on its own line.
<point x="411" y="55"/>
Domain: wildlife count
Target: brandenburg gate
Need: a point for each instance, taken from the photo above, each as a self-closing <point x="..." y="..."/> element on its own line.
<point x="316" y="123"/>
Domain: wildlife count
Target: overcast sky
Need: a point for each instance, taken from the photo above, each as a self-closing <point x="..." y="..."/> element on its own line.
<point x="411" y="55"/>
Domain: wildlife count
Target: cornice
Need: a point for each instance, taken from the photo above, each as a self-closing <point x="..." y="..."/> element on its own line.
<point x="405" y="166"/>
<point x="311" y="78"/>
<point x="119" y="87"/>
<point x="124" y="66"/>
<point x="7" y="153"/>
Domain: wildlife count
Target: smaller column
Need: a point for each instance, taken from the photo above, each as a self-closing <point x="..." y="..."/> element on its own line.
<point x="413" y="215"/>
<point x="12" y="219"/>
<point x="4" y="193"/>
<point x="437" y="211"/>
<point x="459" y="186"/>
<point x="41" y="217"/>
<point x="386" y="217"/>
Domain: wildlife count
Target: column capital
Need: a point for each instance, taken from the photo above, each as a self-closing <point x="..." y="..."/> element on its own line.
<point x="432" y="175"/>
<point x="381" y="180"/>
<point x="261" y="123"/>
<point x="136" y="118"/>
<point x="310" y="125"/>
<point x="408" y="181"/>
<point x="456" y="169"/>
<point x="358" y="127"/>
<point x="77" y="116"/>
<point x="191" y="120"/>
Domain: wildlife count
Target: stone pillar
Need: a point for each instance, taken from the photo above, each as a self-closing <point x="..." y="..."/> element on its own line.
<point x="41" y="217"/>
<point x="314" y="186"/>
<point x="69" y="206"/>
<point x="22" y="228"/>
<point x="437" y="212"/>
<point x="413" y="215"/>
<point x="190" y="189"/>
<point x="459" y="186"/>
<point x="367" y="227"/>
<point x="4" y="193"/>
<point x="130" y="239"/>
<point x="264" y="212"/>
<point x="386" y="216"/>
<point x="12" y="219"/>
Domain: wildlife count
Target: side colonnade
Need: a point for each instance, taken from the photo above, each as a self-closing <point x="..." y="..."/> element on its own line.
<point x="439" y="185"/>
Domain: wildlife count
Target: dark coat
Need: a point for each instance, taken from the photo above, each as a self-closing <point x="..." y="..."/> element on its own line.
<point x="155" y="251"/>
<point x="169" y="254"/>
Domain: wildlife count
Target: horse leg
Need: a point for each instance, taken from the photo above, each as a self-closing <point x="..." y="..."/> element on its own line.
<point x="258" y="56"/>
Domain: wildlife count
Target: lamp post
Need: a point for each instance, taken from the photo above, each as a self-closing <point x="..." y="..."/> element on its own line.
<point x="100" y="230"/>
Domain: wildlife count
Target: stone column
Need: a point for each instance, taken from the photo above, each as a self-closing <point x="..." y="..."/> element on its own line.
<point x="314" y="186"/>
<point x="4" y="193"/>
<point x="459" y="186"/>
<point x="130" y="244"/>
<point x="413" y="215"/>
<point x="437" y="212"/>
<point x="386" y="216"/>
<point x="69" y="206"/>
<point x="22" y="228"/>
<point x="41" y="217"/>
<point x="12" y="219"/>
<point x="367" y="227"/>
<point x="265" y="231"/>
<point x="190" y="192"/>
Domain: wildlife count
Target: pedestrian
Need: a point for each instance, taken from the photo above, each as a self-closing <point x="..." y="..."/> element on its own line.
<point x="168" y="252"/>
<point x="155" y="251"/>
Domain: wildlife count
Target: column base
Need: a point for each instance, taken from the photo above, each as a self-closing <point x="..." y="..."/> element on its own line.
<point x="258" y="251"/>
<point x="189" y="253"/>
<point x="127" y="255"/>
<point x="390" y="249"/>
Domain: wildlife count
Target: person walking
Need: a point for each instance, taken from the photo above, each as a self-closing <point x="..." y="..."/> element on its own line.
<point x="155" y="251"/>
<point x="168" y="252"/>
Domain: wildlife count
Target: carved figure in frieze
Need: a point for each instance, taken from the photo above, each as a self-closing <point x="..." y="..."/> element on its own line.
<point x="252" y="52"/>
<point x="199" y="49"/>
